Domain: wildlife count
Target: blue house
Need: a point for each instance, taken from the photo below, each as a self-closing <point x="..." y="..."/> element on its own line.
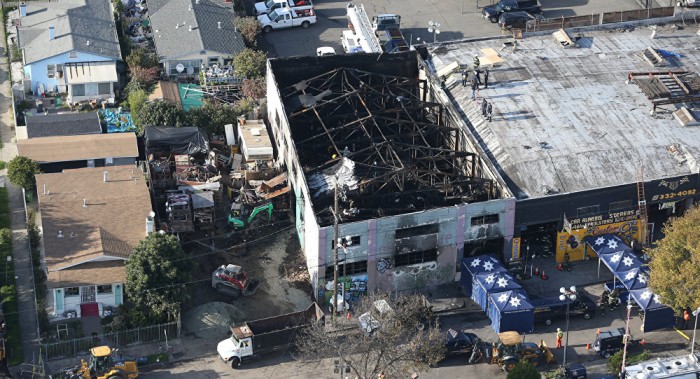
<point x="69" y="46"/>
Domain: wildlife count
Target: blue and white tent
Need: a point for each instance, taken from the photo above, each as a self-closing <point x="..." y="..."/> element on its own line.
<point x="606" y="244"/>
<point x="623" y="260"/>
<point x="475" y="265"/>
<point x="511" y="311"/>
<point x="656" y="315"/>
<point x="635" y="278"/>
<point x="487" y="283"/>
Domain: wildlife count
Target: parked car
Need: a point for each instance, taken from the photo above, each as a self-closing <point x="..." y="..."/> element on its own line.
<point x="549" y="309"/>
<point x="325" y="50"/>
<point x="689" y="3"/>
<point x="458" y="342"/>
<point x="493" y="12"/>
<point x="609" y="342"/>
<point x="517" y="20"/>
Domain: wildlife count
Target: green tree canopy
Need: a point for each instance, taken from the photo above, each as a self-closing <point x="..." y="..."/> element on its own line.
<point x="157" y="275"/>
<point x="136" y="100"/>
<point x="211" y="117"/>
<point x="249" y="27"/>
<point x="141" y="57"/>
<point x="249" y="64"/>
<point x="523" y="370"/>
<point x="159" y="113"/>
<point x="675" y="262"/>
<point x="21" y="171"/>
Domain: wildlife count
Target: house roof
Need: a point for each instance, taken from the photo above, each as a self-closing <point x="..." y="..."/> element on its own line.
<point x="565" y="120"/>
<point x="78" y="148"/>
<point x="86" y="220"/>
<point x="171" y="21"/>
<point x="90" y="72"/>
<point x="63" y="124"/>
<point x="94" y="273"/>
<point x="75" y="22"/>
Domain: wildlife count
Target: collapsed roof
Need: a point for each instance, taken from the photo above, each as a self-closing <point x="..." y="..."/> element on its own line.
<point x="392" y="151"/>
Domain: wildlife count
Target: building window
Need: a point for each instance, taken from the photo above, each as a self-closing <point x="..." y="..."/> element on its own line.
<point x="417" y="231"/>
<point x="73" y="55"/>
<point x="50" y="71"/>
<point x="620" y="205"/>
<point x="213" y="60"/>
<point x="78" y="89"/>
<point x="72" y="291"/>
<point x="104" y="289"/>
<point x="485" y="219"/>
<point x="354" y="241"/>
<point x="351" y="268"/>
<point x="585" y="211"/>
<point x="104" y="88"/>
<point x="415" y="257"/>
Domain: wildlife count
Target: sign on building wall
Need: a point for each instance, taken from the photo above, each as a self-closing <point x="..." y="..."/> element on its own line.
<point x="600" y="220"/>
<point x="515" y="252"/>
<point x="572" y="243"/>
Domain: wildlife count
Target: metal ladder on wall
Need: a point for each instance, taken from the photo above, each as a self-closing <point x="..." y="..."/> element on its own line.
<point x="642" y="203"/>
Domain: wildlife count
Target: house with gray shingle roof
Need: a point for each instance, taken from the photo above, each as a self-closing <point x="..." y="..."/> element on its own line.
<point x="69" y="46"/>
<point x="189" y="34"/>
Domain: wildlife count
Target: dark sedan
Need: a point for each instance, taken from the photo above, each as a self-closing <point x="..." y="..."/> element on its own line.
<point x="517" y="20"/>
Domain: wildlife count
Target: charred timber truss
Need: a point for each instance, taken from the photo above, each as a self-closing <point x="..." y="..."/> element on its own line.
<point x="406" y="155"/>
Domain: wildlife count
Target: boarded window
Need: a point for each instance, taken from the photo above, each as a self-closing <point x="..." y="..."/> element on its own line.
<point x="415" y="257"/>
<point x="417" y="231"/>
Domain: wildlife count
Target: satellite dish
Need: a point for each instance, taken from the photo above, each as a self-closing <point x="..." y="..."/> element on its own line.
<point x="190" y="70"/>
<point x="180" y="67"/>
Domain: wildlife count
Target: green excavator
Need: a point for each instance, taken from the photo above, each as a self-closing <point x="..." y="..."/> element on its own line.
<point x="242" y="215"/>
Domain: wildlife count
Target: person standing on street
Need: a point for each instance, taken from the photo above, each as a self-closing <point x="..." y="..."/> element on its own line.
<point x="486" y="78"/>
<point x="489" y="111"/>
<point x="484" y="106"/>
<point x="475" y="87"/>
<point x="465" y="77"/>
<point x="560" y="335"/>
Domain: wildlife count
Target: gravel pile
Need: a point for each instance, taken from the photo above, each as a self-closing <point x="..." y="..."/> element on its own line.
<point x="211" y="320"/>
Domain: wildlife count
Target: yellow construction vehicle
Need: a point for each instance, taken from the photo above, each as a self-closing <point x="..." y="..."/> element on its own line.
<point x="103" y="365"/>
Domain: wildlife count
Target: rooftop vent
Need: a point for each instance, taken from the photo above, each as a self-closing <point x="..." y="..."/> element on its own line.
<point x="218" y="24"/>
<point x="685" y="117"/>
<point x="84" y="203"/>
<point x="60" y="234"/>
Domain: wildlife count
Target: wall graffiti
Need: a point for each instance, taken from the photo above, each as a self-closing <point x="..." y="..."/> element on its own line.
<point x="355" y="286"/>
<point x="572" y="243"/>
<point x="420" y="275"/>
<point x="383" y="265"/>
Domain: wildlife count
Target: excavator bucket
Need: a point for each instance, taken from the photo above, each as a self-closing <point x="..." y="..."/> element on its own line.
<point x="548" y="356"/>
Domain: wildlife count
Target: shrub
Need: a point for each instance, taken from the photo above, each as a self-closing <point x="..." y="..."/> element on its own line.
<point x="136" y="100"/>
<point x="21" y="171"/>
<point x="615" y="361"/>
<point x="523" y="370"/>
<point x="249" y="27"/>
<point x="249" y="64"/>
<point x="254" y="88"/>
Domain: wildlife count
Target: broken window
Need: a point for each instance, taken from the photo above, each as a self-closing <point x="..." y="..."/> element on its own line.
<point x="485" y="219"/>
<point x="351" y="268"/>
<point x="415" y="257"/>
<point x="348" y="241"/>
<point x="417" y="231"/>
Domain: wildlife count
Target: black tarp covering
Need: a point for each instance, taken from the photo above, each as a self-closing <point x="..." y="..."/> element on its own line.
<point x="186" y="140"/>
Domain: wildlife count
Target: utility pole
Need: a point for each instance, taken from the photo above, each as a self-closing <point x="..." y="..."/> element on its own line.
<point x="335" y="250"/>
<point x="627" y="334"/>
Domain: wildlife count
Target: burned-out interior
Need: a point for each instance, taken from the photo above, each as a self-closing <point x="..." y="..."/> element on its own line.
<point x="390" y="150"/>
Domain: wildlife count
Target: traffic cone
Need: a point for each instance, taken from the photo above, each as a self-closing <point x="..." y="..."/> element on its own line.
<point x="544" y="276"/>
<point x="537" y="271"/>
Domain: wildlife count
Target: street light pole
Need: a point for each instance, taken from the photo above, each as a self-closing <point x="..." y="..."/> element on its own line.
<point x="568" y="295"/>
<point x="433" y="27"/>
<point x="626" y="336"/>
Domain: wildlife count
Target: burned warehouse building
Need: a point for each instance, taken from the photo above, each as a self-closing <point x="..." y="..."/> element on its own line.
<point x="365" y="145"/>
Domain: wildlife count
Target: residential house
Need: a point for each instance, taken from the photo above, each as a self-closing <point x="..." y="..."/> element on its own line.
<point x="69" y="46"/>
<point x="92" y="218"/>
<point x="61" y="124"/>
<point x="189" y="34"/>
<point x="59" y="153"/>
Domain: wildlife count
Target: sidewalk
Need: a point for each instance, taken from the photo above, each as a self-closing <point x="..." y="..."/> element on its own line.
<point x="20" y="246"/>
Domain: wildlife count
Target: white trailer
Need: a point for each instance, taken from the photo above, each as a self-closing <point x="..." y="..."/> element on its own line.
<point x="679" y="367"/>
<point x="361" y="32"/>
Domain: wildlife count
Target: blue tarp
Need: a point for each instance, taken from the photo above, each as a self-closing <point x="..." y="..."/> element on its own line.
<point x="487" y="283"/>
<point x="635" y="278"/>
<point x="623" y="260"/>
<point x="656" y="315"/>
<point x="511" y="311"/>
<point x="117" y="122"/>
<point x="476" y="265"/>
<point x="606" y="244"/>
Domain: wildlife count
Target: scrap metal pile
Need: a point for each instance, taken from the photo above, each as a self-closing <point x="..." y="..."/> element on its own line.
<point x="392" y="151"/>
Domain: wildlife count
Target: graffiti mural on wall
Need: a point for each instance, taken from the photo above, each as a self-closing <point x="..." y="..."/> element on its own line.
<point x="355" y="286"/>
<point x="383" y="265"/>
<point x="413" y="276"/>
<point x="571" y="243"/>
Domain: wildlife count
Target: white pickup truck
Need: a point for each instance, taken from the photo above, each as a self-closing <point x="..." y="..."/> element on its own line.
<point x="265" y="7"/>
<point x="284" y="18"/>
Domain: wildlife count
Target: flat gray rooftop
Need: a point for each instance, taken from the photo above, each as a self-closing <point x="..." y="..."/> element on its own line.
<point x="565" y="120"/>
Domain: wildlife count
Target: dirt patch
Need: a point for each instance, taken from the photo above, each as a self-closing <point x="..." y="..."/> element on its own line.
<point x="293" y="268"/>
<point x="211" y="320"/>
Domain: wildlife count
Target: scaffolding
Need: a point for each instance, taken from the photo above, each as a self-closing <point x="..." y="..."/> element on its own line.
<point x="395" y="151"/>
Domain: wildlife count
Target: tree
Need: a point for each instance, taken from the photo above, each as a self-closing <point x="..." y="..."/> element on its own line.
<point x="21" y="171"/>
<point x="397" y="348"/>
<point x="249" y="64"/>
<point x="144" y="76"/>
<point x="615" y="360"/>
<point x="211" y="117"/>
<point x="523" y="370"/>
<point x="675" y="262"/>
<point x="249" y="27"/>
<point x="159" y="113"/>
<point x="136" y="100"/>
<point x="254" y="88"/>
<point x="140" y="57"/>
<point x="158" y="273"/>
